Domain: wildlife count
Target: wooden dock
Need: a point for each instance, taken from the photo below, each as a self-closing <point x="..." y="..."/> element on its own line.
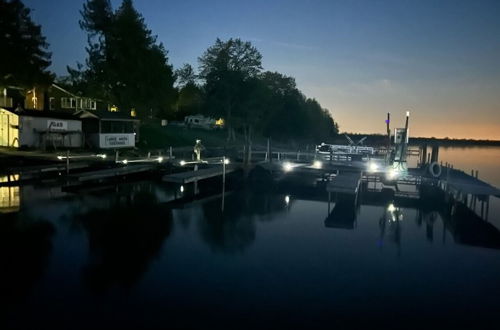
<point x="194" y="176"/>
<point x="345" y="183"/>
<point x="113" y="172"/>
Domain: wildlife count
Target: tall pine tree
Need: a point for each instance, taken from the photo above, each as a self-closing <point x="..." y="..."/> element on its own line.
<point x="24" y="58"/>
<point x="125" y="65"/>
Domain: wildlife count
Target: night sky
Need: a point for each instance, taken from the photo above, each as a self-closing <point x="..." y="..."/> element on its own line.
<point x="360" y="59"/>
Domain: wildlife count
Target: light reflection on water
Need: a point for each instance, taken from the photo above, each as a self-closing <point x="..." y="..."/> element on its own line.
<point x="127" y="257"/>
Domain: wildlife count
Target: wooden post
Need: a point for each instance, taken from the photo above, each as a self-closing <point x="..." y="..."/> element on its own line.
<point x="423" y="157"/>
<point x="435" y="153"/>
<point x="196" y="181"/>
<point x="329" y="200"/>
<point x="67" y="162"/>
<point x="487" y="208"/>
<point x="269" y="152"/>
<point x="117" y="154"/>
<point x="170" y="152"/>
<point x="223" y="181"/>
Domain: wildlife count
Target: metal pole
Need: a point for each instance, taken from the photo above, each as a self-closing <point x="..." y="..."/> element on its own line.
<point x="170" y="152"/>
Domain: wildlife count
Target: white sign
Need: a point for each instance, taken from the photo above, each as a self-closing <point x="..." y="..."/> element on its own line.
<point x="57" y="125"/>
<point x="116" y="140"/>
<point x="398" y="135"/>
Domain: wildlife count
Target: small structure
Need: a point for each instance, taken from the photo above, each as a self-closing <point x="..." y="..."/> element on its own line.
<point x="39" y="129"/>
<point x="109" y="130"/>
<point x="200" y="121"/>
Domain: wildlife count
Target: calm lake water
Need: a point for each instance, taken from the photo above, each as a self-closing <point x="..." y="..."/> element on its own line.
<point x="122" y="257"/>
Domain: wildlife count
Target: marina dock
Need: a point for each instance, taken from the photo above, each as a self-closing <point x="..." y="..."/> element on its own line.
<point x="199" y="175"/>
<point x="345" y="183"/>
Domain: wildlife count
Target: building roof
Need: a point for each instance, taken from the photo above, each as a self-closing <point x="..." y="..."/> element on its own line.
<point x="104" y="115"/>
<point x="43" y="113"/>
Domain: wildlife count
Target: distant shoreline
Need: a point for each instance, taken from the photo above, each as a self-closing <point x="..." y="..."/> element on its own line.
<point x="379" y="139"/>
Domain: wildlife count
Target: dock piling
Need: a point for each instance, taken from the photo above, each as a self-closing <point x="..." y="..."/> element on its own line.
<point x="67" y="162"/>
<point x="196" y="181"/>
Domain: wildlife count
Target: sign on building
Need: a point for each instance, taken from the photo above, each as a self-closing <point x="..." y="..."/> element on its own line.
<point x="57" y="125"/>
<point x="114" y="140"/>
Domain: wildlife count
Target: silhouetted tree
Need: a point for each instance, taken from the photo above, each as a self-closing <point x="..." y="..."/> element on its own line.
<point x="125" y="64"/>
<point x="185" y="75"/>
<point x="97" y="21"/>
<point x="225" y="67"/>
<point x="24" y="58"/>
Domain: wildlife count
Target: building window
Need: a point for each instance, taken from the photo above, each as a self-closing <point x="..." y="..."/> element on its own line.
<point x="68" y="103"/>
<point x="93" y="105"/>
<point x="52" y="103"/>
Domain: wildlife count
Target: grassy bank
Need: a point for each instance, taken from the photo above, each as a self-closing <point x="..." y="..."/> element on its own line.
<point x="155" y="136"/>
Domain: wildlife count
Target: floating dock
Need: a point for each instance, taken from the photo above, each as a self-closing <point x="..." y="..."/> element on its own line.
<point x="198" y="175"/>
<point x="345" y="183"/>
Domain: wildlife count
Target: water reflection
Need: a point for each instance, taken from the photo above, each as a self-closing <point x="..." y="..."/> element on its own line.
<point x="234" y="229"/>
<point x="124" y="239"/>
<point x="457" y="218"/>
<point x="344" y="214"/>
<point x="25" y="247"/>
<point x="469" y="229"/>
<point x="10" y="200"/>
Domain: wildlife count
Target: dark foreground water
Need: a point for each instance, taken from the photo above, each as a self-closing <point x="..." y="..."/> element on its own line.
<point x="123" y="258"/>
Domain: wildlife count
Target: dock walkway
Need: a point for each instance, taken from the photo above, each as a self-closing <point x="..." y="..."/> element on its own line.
<point x="345" y="182"/>
<point x="192" y="176"/>
<point x="113" y="172"/>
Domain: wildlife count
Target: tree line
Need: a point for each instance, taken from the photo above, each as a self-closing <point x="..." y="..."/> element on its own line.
<point x="127" y="67"/>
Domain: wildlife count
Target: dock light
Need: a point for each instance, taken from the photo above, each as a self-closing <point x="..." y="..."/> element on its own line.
<point x="226" y="161"/>
<point x="372" y="167"/>
<point x="407" y="113"/>
<point x="103" y="156"/>
<point x="393" y="173"/>
<point x="182" y="163"/>
<point x="287" y="199"/>
<point x="60" y="157"/>
<point x="287" y="166"/>
<point x="391" y="208"/>
<point x="160" y="159"/>
<point x="125" y="161"/>
<point x="182" y="189"/>
<point x="318" y="164"/>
